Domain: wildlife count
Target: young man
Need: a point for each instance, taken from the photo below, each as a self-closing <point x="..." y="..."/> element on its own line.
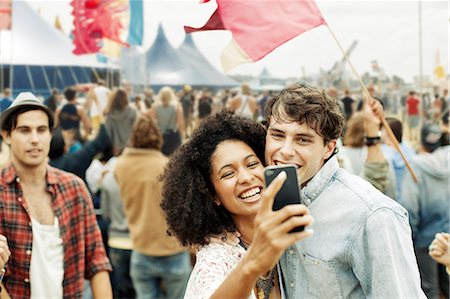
<point x="427" y="203"/>
<point x="46" y="214"/>
<point x="362" y="244"/>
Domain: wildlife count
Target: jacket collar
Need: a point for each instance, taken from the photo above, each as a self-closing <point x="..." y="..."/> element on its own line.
<point x="320" y="180"/>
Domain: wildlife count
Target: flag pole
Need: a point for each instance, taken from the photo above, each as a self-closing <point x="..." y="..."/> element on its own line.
<point x="367" y="94"/>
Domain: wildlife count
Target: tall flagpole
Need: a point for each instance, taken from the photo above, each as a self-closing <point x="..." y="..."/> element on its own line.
<point x="420" y="61"/>
<point x="369" y="97"/>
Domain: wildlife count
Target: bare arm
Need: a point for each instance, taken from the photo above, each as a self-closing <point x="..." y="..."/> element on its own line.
<point x="232" y="104"/>
<point x="4" y="294"/>
<point x="101" y="285"/>
<point x="270" y="239"/>
<point x="87" y="126"/>
<point x="253" y="105"/>
<point x="180" y="119"/>
<point x="57" y="112"/>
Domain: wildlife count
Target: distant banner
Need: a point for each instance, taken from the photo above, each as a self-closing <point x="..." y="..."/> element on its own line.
<point x="136" y="28"/>
<point x="95" y="21"/>
<point x="5" y="14"/>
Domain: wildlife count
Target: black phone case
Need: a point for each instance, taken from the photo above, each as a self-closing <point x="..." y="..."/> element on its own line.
<point x="289" y="192"/>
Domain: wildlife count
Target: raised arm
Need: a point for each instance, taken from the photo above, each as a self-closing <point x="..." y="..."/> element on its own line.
<point x="271" y="237"/>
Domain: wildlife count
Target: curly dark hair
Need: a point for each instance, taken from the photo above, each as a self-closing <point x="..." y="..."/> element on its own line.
<point x="307" y="104"/>
<point x="188" y="193"/>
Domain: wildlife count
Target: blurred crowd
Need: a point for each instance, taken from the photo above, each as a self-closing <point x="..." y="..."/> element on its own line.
<point x="118" y="143"/>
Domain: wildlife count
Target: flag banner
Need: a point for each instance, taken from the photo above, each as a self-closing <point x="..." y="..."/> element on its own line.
<point x="258" y="27"/>
<point x="136" y="27"/>
<point x="5" y="14"/>
<point x="95" y="20"/>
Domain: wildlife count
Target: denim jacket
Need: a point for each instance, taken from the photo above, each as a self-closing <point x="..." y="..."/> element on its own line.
<point x="361" y="246"/>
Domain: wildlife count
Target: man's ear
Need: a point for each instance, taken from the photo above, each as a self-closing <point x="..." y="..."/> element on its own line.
<point x="329" y="148"/>
<point x="6" y="136"/>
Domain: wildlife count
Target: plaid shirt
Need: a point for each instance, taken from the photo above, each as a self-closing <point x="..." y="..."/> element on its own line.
<point x="84" y="254"/>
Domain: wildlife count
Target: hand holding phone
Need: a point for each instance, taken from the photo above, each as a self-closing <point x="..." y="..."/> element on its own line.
<point x="289" y="192"/>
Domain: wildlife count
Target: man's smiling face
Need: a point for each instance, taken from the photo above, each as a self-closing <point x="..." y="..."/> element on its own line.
<point x="288" y="142"/>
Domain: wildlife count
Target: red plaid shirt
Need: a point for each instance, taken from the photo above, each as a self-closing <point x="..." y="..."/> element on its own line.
<point x="84" y="254"/>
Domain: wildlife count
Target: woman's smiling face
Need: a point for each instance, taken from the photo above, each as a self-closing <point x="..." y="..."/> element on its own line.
<point x="237" y="175"/>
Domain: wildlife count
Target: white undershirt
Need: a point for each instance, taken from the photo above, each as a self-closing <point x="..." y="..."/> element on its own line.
<point x="47" y="263"/>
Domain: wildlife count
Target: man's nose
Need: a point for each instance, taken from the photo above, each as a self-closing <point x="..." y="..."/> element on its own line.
<point x="287" y="149"/>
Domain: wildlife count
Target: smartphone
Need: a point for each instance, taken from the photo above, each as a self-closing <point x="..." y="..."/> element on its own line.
<point x="289" y="192"/>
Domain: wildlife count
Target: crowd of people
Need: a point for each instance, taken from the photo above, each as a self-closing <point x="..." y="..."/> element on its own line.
<point x="111" y="194"/>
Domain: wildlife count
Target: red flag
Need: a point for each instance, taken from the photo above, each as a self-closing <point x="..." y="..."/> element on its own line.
<point x="5" y="14"/>
<point x="95" y="20"/>
<point x="259" y="27"/>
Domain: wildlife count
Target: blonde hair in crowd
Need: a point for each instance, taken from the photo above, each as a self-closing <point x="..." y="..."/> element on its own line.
<point x="166" y="96"/>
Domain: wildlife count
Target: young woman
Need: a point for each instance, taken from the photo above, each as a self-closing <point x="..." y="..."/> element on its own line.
<point x="214" y="188"/>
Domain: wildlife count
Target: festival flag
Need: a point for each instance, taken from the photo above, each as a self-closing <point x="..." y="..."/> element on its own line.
<point x="95" y="20"/>
<point x="5" y="14"/>
<point x="136" y="27"/>
<point x="259" y="27"/>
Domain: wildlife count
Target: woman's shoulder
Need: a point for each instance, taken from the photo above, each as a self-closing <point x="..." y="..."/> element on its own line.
<point x="215" y="261"/>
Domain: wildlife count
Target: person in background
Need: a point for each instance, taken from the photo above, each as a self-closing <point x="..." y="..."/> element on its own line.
<point x="393" y="156"/>
<point x="53" y="100"/>
<point x="244" y="103"/>
<point x="413" y="116"/>
<point x="349" y="104"/>
<point x="427" y="203"/>
<point x="167" y="113"/>
<point x="46" y="214"/>
<point x="119" y="241"/>
<point x="70" y="116"/>
<point x="6" y="100"/>
<point x="159" y="265"/>
<point x="187" y="102"/>
<point x="120" y="117"/>
<point x="364" y="157"/>
<point x="77" y="162"/>
<point x="97" y="100"/>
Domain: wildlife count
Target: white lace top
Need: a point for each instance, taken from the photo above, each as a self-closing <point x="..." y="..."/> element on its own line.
<point x="214" y="263"/>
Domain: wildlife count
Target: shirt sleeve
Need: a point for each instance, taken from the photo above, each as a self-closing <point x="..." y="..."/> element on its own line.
<point x="95" y="254"/>
<point x="212" y="267"/>
<point x="383" y="258"/>
<point x="410" y="200"/>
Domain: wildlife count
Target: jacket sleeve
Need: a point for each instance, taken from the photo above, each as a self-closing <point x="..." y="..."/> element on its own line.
<point x="382" y="256"/>
<point x="410" y="200"/>
<point x="90" y="149"/>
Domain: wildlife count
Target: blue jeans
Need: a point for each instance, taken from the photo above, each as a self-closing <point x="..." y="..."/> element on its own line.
<point x="120" y="277"/>
<point x="160" y="276"/>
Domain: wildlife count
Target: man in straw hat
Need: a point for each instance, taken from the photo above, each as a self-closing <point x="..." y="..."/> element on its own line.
<point x="46" y="214"/>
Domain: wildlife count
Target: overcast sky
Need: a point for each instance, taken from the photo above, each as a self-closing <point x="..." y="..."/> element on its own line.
<point x="386" y="31"/>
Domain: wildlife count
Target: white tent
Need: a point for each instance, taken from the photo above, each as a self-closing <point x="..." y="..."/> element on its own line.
<point x="35" y="55"/>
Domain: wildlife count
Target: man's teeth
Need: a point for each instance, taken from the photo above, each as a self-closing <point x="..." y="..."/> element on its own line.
<point x="281" y="164"/>
<point x="250" y="193"/>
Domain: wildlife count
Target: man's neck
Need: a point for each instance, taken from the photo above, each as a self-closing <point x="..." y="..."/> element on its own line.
<point x="30" y="175"/>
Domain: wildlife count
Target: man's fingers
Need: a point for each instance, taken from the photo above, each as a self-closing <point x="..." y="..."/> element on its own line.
<point x="272" y="190"/>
